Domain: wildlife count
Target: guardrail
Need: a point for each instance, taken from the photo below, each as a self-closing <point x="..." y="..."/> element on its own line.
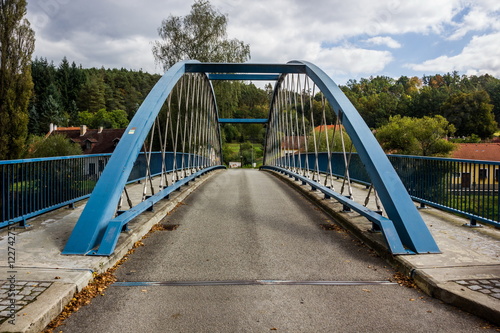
<point x="466" y="187"/>
<point x="31" y="187"/>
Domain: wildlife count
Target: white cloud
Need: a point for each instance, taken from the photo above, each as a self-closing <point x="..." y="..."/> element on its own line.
<point x="118" y="33"/>
<point x="477" y="19"/>
<point x="352" y="61"/>
<point x="386" y="41"/>
<point x="480" y="56"/>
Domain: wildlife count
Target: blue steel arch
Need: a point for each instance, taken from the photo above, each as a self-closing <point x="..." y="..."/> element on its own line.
<point x="100" y="209"/>
<point x="399" y="207"/>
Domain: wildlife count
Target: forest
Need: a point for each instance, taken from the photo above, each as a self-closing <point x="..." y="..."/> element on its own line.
<point x="69" y="95"/>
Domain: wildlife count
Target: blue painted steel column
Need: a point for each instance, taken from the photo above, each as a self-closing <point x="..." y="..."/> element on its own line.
<point x="397" y="203"/>
<point x="101" y="207"/>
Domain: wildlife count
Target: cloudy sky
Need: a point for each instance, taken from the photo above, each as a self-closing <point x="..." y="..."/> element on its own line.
<point x="347" y="39"/>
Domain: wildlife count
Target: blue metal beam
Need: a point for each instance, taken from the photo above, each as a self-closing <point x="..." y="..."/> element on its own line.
<point x="245" y="68"/>
<point x="396" y="201"/>
<point x="244" y="77"/>
<point x="243" y="121"/>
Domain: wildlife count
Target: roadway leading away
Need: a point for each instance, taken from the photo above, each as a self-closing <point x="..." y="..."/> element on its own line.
<point x="242" y="226"/>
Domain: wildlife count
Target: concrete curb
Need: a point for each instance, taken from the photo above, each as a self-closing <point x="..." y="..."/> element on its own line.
<point x="35" y="316"/>
<point x="447" y="291"/>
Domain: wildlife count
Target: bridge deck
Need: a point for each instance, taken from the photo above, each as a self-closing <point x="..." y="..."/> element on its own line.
<point x="246" y="227"/>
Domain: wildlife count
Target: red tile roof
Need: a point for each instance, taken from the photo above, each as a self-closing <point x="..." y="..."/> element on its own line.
<point x="478" y="151"/>
<point x="321" y="128"/>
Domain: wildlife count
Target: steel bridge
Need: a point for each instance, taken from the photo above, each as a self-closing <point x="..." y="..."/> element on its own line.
<point x="176" y="134"/>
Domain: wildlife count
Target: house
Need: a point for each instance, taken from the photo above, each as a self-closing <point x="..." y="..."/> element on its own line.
<point x="92" y="141"/>
<point x="293" y="144"/>
<point x="478" y="151"/>
<point x="477" y="174"/>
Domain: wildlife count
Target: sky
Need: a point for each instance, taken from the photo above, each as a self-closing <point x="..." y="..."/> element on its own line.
<point x="347" y="39"/>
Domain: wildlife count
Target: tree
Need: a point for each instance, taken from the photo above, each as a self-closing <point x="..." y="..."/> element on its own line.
<point x="92" y="93"/>
<point x="17" y="43"/>
<point x="471" y="113"/>
<point x="106" y="119"/>
<point x="54" y="145"/>
<point x="43" y="75"/>
<point x="416" y="136"/>
<point x="69" y="81"/>
<point x="200" y="35"/>
<point x="329" y="139"/>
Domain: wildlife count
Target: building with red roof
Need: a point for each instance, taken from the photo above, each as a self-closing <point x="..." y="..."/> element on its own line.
<point x="92" y="141"/>
<point x="478" y="151"/>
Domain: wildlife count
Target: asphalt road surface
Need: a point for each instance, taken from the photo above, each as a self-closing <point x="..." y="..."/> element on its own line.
<point x="245" y="257"/>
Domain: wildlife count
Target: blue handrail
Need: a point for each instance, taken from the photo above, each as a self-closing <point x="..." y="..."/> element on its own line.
<point x="466" y="187"/>
<point x="31" y="187"/>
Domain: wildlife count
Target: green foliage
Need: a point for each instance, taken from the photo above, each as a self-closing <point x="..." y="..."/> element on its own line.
<point x="106" y="119"/>
<point x="61" y="93"/>
<point x="91" y="95"/>
<point x="17" y="43"/>
<point x="230" y="153"/>
<point x="470" y="139"/>
<point x="200" y="35"/>
<point x="54" y="145"/>
<point x="376" y="99"/>
<point x="416" y="136"/>
<point x="471" y="113"/>
<point x="334" y="142"/>
<point x="469" y="102"/>
<point x="246" y="153"/>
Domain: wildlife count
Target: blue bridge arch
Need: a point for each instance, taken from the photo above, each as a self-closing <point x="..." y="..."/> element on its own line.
<point x="98" y="228"/>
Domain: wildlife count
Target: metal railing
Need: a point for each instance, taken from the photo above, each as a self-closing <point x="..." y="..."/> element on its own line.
<point x="34" y="186"/>
<point x="31" y="187"/>
<point x="466" y="187"/>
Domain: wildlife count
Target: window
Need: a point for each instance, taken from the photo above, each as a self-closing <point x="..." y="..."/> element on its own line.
<point x="101" y="165"/>
<point x="91" y="169"/>
<point x="497" y="175"/>
<point x="483" y="174"/>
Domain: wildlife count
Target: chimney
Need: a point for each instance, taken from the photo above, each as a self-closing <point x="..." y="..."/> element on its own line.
<point x="51" y="128"/>
<point x="83" y="130"/>
<point x="99" y="130"/>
